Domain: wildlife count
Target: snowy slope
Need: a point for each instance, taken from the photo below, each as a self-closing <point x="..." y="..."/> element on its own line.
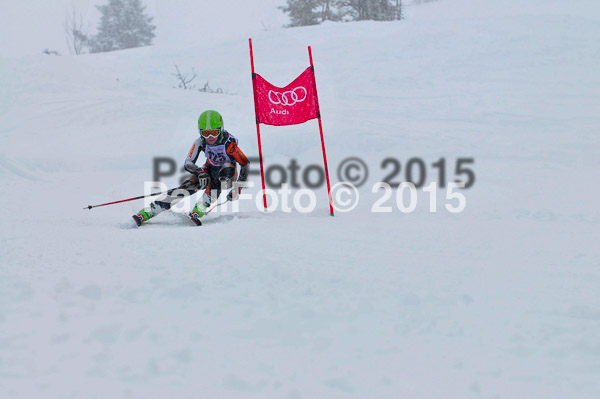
<point x="499" y="301"/>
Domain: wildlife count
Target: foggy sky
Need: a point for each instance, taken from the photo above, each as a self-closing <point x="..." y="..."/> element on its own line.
<point x="29" y="26"/>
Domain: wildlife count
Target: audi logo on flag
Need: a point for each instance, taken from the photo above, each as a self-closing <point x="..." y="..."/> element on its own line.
<point x="288" y="98"/>
<point x="288" y="105"/>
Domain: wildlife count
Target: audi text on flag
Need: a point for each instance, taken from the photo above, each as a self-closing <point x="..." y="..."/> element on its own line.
<point x="289" y="105"/>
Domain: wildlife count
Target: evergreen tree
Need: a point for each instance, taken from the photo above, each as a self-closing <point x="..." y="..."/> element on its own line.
<point x="383" y="11"/>
<point x="363" y="10"/>
<point x="312" y="12"/>
<point x="123" y="25"/>
<point x="302" y="12"/>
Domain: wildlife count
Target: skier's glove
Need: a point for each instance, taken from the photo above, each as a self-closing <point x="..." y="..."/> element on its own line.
<point x="230" y="195"/>
<point x="244" y="173"/>
<point x="203" y="179"/>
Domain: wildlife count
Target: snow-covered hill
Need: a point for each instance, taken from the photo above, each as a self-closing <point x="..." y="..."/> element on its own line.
<point x="499" y="301"/>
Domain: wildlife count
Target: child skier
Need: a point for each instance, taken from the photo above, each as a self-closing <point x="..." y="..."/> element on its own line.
<point x="219" y="171"/>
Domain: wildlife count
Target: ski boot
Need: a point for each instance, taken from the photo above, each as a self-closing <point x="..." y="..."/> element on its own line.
<point x="198" y="212"/>
<point x="146" y="213"/>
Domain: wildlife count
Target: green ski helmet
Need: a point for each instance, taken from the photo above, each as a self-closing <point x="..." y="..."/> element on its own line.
<point x="210" y="123"/>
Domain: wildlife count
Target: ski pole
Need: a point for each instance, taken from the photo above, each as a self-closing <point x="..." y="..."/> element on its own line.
<point x="216" y="204"/>
<point x="129" y="199"/>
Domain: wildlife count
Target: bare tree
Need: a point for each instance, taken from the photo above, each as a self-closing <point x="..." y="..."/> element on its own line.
<point x="184" y="80"/>
<point x="76" y="33"/>
<point x="327" y="11"/>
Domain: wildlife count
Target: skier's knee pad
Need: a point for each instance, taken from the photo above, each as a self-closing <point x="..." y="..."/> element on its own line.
<point x="162" y="206"/>
<point x="227" y="173"/>
<point x="191" y="185"/>
<point x="206" y="200"/>
<point x="174" y="196"/>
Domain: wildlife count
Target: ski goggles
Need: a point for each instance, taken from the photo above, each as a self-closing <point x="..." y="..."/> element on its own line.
<point x="210" y="133"/>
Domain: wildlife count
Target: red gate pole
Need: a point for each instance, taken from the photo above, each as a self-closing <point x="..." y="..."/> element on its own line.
<point x="262" y="173"/>
<point x="321" y="131"/>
